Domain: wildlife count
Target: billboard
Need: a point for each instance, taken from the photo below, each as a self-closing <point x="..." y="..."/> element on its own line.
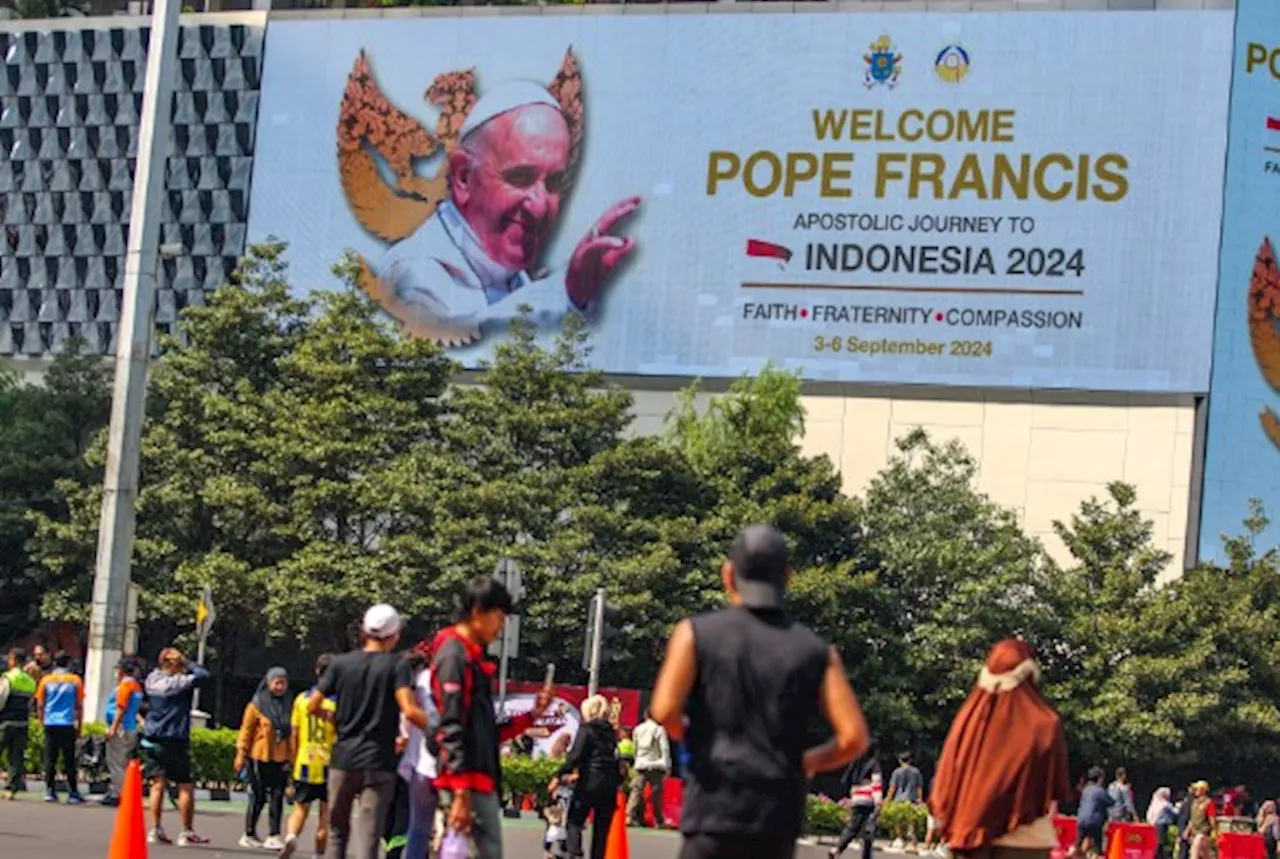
<point x="1242" y="441"/>
<point x="1016" y="200"/>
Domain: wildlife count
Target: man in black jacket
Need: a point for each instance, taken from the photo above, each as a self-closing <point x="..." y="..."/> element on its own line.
<point x="469" y="734"/>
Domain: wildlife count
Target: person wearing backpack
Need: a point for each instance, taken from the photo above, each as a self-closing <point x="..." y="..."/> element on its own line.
<point x="653" y="765"/>
<point x="17" y="690"/>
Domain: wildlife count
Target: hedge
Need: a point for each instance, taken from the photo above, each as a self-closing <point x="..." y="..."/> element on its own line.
<point x="212" y="752"/>
<point x="825" y="816"/>
<point x="213" y="755"/>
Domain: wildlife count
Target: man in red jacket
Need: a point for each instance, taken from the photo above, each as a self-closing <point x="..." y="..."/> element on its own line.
<point x="469" y="733"/>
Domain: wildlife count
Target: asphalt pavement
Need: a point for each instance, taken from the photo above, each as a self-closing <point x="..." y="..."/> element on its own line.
<point x="30" y="829"/>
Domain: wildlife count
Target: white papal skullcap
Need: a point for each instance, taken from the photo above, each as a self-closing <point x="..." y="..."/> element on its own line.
<point x="504" y="98"/>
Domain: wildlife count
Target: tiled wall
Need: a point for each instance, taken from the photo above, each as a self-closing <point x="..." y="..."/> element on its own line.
<point x="1041" y="453"/>
<point x="70" y="100"/>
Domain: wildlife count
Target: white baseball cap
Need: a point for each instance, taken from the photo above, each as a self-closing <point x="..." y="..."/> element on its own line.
<point x="382" y="622"/>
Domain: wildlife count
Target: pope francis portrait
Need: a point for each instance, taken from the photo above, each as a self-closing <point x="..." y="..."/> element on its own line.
<point x="478" y="258"/>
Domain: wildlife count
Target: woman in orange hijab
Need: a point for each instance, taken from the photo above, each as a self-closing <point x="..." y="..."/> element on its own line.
<point x="1004" y="766"/>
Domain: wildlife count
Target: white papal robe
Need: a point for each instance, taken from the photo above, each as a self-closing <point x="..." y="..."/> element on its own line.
<point x="442" y="275"/>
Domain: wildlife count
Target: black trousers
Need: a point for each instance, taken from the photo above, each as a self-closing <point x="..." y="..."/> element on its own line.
<point x="60" y="742"/>
<point x="862" y="824"/>
<point x="13" y="741"/>
<point x="746" y="846"/>
<point x="267" y="781"/>
<point x="603" y="803"/>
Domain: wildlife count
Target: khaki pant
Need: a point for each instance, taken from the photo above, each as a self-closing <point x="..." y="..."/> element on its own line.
<point x="121" y="749"/>
<point x="635" y="802"/>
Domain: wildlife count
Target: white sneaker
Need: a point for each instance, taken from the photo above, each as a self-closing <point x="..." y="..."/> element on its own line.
<point x="157" y="836"/>
<point x="188" y="838"/>
<point x="248" y="842"/>
<point x="898" y="845"/>
<point x="290" y="844"/>
<point x="273" y="842"/>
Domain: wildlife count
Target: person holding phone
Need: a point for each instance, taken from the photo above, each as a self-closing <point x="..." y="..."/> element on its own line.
<point x="469" y="775"/>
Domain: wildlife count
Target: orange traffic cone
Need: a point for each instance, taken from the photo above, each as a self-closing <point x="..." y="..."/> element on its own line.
<point x="616" y="847"/>
<point x="129" y="838"/>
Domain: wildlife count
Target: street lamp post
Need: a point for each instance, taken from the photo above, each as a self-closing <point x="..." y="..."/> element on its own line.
<point x="108" y="620"/>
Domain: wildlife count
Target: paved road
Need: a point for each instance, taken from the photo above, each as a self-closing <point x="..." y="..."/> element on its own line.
<point x="32" y="830"/>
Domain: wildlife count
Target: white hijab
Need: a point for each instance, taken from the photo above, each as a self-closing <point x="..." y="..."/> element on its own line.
<point x="1159" y="802"/>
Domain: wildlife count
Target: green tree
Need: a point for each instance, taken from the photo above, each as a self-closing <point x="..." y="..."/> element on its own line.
<point x="275" y="434"/>
<point x="745" y="445"/>
<point x="956" y="574"/>
<point x="1102" y="657"/>
<point x="45" y="430"/>
<point x="538" y="463"/>
<point x="1211" y="670"/>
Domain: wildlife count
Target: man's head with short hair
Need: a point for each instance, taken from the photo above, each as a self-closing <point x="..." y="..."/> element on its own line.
<point x="62" y="659"/>
<point x="40" y="654"/>
<point x="508" y="175"/>
<point x="125" y="668"/>
<point x="17" y="657"/>
<point x="1122" y="776"/>
<point x="904" y="758"/>
<point x="1097" y="774"/>
<point x="758" y="570"/>
<point x="323" y="661"/>
<point x="483" y="606"/>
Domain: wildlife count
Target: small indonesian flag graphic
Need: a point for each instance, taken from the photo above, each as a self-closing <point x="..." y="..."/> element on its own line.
<point x="1273" y="124"/>
<point x="768" y="250"/>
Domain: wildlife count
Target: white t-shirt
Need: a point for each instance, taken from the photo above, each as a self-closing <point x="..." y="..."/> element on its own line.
<point x="417" y="758"/>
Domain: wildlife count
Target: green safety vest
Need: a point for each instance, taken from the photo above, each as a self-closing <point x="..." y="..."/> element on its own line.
<point x="20" y="682"/>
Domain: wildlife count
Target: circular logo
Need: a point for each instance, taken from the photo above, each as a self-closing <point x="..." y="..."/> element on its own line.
<point x="952" y="64"/>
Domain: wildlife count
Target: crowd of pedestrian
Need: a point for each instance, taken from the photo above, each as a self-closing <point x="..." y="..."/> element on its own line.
<point x="411" y="739"/>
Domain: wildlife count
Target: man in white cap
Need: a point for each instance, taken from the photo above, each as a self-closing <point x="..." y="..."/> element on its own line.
<point x="373" y="687"/>
<point x="476" y="260"/>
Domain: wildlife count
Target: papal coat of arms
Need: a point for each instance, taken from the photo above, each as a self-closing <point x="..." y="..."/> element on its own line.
<point x="884" y="64"/>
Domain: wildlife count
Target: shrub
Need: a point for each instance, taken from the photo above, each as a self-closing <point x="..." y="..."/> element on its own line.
<point x="824" y="816"/>
<point x="903" y="820"/>
<point x="522" y="776"/>
<point x="213" y="753"/>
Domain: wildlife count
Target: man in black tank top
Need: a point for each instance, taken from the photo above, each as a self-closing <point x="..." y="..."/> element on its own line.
<point x="739" y="686"/>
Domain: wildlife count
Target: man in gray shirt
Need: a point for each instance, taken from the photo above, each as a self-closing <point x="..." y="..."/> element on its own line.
<point x="906" y="785"/>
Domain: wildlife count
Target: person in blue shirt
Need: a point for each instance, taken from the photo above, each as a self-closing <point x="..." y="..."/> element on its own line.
<point x="122" y="726"/>
<point x="166" y="741"/>
<point x="1095" y="805"/>
<point x="60" y="705"/>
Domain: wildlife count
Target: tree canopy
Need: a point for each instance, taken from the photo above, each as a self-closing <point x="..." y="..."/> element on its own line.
<point x="303" y="460"/>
